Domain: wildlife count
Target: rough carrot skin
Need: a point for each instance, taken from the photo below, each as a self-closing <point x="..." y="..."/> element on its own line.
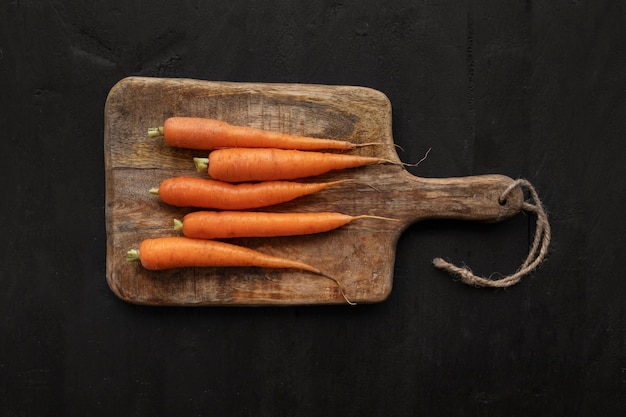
<point x="207" y="193"/>
<point x="249" y="164"/>
<point x="231" y="224"/>
<point x="180" y="252"/>
<point x="209" y="134"/>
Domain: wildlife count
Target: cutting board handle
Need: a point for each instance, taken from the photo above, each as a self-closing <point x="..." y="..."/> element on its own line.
<point x="479" y="198"/>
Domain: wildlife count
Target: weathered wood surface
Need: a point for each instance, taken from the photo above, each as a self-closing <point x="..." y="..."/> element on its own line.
<point x="360" y="255"/>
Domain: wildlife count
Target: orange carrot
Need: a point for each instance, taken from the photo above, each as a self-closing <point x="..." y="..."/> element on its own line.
<point x="253" y="164"/>
<point x="209" y="134"/>
<point x="207" y="193"/>
<point x="231" y="224"/>
<point x="182" y="252"/>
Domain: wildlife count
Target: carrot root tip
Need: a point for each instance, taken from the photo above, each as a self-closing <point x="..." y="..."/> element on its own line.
<point x="352" y="303"/>
<point x="155" y="132"/>
<point x="339" y="286"/>
<point x="361" y="145"/>
<point x="367" y="216"/>
<point x="406" y="164"/>
<point x="132" y="255"/>
<point x="367" y="184"/>
<point x="202" y="164"/>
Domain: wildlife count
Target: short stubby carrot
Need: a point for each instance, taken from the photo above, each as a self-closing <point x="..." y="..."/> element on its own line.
<point x="208" y="134"/>
<point x="233" y="224"/>
<point x="212" y="194"/>
<point x="183" y="252"/>
<point x="250" y="164"/>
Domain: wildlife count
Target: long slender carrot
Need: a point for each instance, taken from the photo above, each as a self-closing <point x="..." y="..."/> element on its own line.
<point x="208" y="193"/>
<point x="208" y="134"/>
<point x="254" y="164"/>
<point x="230" y="224"/>
<point x="182" y="252"/>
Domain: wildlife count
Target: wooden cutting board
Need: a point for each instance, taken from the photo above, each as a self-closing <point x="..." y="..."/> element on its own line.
<point x="360" y="256"/>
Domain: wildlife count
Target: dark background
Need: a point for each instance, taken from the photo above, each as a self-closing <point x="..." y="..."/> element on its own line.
<point x="533" y="89"/>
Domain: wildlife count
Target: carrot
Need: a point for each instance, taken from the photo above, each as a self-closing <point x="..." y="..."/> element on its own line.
<point x="208" y="193"/>
<point x="182" y="252"/>
<point x="209" y="134"/>
<point x="254" y="164"/>
<point x="231" y="224"/>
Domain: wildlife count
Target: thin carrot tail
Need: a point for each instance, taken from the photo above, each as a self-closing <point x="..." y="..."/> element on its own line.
<point x="367" y="216"/>
<point x="390" y="161"/>
<point x="362" y="145"/>
<point x="406" y="164"/>
<point x="314" y="270"/>
<point x="398" y="146"/>
<point x="343" y="294"/>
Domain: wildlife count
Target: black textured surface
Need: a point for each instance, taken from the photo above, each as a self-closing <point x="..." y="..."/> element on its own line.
<point x="523" y="88"/>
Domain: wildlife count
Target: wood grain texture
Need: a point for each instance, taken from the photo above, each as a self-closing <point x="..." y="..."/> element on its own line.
<point x="360" y="255"/>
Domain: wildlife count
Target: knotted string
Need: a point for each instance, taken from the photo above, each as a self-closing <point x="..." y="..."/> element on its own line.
<point x="537" y="253"/>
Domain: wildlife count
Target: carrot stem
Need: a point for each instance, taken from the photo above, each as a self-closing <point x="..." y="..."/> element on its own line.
<point x="178" y="225"/>
<point x="155" y="132"/>
<point x="154" y="191"/>
<point x="132" y="255"/>
<point x="202" y="164"/>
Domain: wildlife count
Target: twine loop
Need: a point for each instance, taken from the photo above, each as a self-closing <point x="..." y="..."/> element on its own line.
<point x="536" y="255"/>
